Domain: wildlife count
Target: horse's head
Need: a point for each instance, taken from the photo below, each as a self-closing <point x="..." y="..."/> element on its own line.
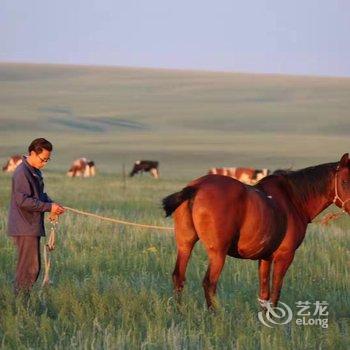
<point x="342" y="184"/>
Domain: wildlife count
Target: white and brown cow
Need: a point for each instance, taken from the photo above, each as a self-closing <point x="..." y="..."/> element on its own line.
<point x="141" y="166"/>
<point x="249" y="176"/>
<point x="82" y="167"/>
<point x="12" y="163"/>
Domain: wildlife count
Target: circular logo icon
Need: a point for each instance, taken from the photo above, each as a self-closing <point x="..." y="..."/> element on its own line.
<point x="278" y="315"/>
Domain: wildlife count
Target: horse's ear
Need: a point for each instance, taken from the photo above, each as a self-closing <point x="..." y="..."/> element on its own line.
<point x="344" y="160"/>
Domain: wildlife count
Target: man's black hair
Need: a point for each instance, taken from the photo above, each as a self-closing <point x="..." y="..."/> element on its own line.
<point x="38" y="145"/>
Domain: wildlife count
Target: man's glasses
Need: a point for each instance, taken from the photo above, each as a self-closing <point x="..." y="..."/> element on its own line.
<point x="43" y="160"/>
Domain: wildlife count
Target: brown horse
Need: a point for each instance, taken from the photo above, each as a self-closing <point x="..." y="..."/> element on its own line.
<point x="266" y="222"/>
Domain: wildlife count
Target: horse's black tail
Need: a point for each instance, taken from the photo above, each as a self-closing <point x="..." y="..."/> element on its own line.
<point x="171" y="202"/>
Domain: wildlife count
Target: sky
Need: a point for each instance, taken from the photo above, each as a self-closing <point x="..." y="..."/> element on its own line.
<point x="304" y="37"/>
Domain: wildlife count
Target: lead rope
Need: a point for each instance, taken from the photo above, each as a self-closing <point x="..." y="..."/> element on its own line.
<point x="334" y="216"/>
<point x="336" y="195"/>
<point x="48" y="248"/>
<point x="50" y="243"/>
<point x="326" y="219"/>
<point x="116" y="221"/>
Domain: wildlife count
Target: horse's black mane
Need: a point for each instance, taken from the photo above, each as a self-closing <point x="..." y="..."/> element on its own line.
<point x="312" y="180"/>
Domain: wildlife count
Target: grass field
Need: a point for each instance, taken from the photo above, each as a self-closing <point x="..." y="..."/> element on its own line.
<point x="112" y="284"/>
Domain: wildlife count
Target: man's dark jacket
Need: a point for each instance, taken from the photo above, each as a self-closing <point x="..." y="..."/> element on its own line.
<point x="28" y="203"/>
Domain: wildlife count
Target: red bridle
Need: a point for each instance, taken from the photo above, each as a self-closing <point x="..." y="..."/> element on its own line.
<point x="336" y="196"/>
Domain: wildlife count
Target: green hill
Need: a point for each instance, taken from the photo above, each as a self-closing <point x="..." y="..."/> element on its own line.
<point x="188" y="120"/>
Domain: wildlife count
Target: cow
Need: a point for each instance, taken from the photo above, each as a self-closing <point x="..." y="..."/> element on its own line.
<point x="249" y="176"/>
<point x="223" y="171"/>
<point x="12" y="163"/>
<point x="82" y="167"/>
<point x="141" y="166"/>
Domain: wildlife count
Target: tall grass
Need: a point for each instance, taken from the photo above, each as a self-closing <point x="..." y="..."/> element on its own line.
<point x="111" y="285"/>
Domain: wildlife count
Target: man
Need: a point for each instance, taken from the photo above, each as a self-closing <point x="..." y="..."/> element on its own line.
<point x="28" y="204"/>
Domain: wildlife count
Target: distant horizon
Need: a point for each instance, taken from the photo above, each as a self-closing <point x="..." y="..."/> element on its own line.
<point x="259" y="37"/>
<point x="187" y="69"/>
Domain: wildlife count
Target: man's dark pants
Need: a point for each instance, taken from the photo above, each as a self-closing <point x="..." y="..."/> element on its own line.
<point x="28" y="264"/>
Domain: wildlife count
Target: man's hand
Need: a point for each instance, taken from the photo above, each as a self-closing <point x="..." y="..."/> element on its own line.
<point x="57" y="209"/>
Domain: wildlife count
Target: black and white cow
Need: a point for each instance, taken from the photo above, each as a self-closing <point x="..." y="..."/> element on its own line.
<point x="150" y="166"/>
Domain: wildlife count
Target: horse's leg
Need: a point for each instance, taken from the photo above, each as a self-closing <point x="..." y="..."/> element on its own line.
<point x="280" y="267"/>
<point x="184" y="251"/>
<point x="186" y="237"/>
<point x="216" y="264"/>
<point x="264" y="281"/>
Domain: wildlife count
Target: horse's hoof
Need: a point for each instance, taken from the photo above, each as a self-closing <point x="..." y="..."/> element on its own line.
<point x="178" y="297"/>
